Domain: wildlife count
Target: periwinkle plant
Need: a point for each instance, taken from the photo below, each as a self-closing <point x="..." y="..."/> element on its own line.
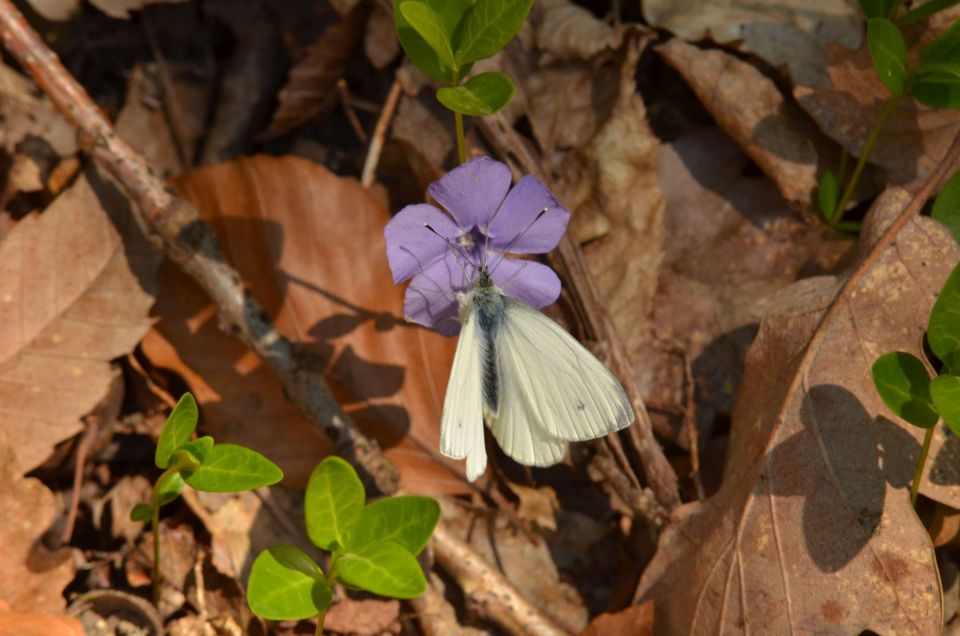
<point x="445" y="37"/>
<point x="200" y="464"/>
<point x="372" y="547"/>
<point x="933" y="81"/>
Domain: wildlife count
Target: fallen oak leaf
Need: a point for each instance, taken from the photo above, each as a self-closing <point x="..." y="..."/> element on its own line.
<point x="812" y="529"/>
<point x="32" y="578"/>
<point x="72" y="298"/>
<point x="20" y="624"/>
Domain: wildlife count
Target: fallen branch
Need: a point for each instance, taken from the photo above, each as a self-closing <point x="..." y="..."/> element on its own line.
<point x="192" y="245"/>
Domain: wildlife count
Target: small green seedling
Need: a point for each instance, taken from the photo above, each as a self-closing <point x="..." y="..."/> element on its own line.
<point x="202" y="465"/>
<point x="934" y="81"/>
<point x="373" y="547"/>
<point x="904" y="381"/>
<point x="445" y="37"/>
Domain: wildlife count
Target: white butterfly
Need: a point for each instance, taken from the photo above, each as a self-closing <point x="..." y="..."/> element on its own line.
<point x="532" y="382"/>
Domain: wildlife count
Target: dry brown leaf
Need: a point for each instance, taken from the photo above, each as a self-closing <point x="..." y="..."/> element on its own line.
<point x="729" y="241"/>
<point x="636" y="620"/>
<point x="750" y="108"/>
<point x="143" y="124"/>
<point x="791" y="33"/>
<point x="380" y="42"/>
<point x="847" y="106"/>
<point x="72" y="298"/>
<point x="61" y="10"/>
<point x="310" y="246"/>
<point x="18" y="624"/>
<point x="25" y="115"/>
<point x="615" y="179"/>
<point x="311" y="89"/>
<point x="32" y="578"/>
<point x="812" y="529"/>
<point x="369" y="617"/>
<point x="566" y="30"/>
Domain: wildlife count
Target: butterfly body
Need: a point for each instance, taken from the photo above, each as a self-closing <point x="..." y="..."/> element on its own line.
<point x="530" y="381"/>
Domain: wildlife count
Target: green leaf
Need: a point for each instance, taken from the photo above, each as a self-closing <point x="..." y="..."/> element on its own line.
<point x="937" y="85"/>
<point x="946" y="207"/>
<point x="333" y="503"/>
<point x="945" y="49"/>
<point x="199" y="447"/>
<point x="231" y="468"/>
<point x="924" y="11"/>
<point x="876" y="8"/>
<point x="286" y="584"/>
<point x="177" y="430"/>
<point x="904" y="385"/>
<point x="943" y="329"/>
<point x="169" y="488"/>
<point x="418" y="50"/>
<point x="946" y="396"/>
<point x="487" y="27"/>
<point x="407" y="520"/>
<point x="431" y="28"/>
<point x="889" y="53"/>
<point x="828" y="195"/>
<point x="384" y="568"/>
<point x="141" y="512"/>
<point x="483" y="94"/>
<point x="851" y="227"/>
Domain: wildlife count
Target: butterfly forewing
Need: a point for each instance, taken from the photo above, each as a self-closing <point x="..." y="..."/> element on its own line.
<point x="461" y="426"/>
<point x="568" y="394"/>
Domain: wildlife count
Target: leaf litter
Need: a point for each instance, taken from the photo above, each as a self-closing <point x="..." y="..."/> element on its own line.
<point x="689" y="167"/>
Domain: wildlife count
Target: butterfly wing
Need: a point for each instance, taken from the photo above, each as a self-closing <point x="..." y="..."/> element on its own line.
<point x="555" y="390"/>
<point x="461" y="426"/>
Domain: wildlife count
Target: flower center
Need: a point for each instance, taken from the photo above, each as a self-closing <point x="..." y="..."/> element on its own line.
<point x="472" y="242"/>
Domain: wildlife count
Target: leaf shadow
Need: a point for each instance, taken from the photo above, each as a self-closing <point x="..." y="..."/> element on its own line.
<point x="840" y="464"/>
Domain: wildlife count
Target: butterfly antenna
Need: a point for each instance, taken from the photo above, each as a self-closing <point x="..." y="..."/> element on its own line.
<point x="458" y="250"/>
<point x="516" y="238"/>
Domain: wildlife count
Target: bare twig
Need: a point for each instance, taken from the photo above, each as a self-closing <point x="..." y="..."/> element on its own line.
<point x="190" y="244"/>
<point x="492" y="595"/>
<point x="91" y="426"/>
<point x="590" y="308"/>
<point x="379" y="133"/>
<point x="346" y="102"/>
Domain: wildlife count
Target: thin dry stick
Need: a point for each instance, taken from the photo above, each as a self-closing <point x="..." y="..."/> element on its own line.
<point x="91" y="426"/>
<point x="488" y="590"/>
<point x="343" y="93"/>
<point x="191" y="244"/>
<point x="379" y="133"/>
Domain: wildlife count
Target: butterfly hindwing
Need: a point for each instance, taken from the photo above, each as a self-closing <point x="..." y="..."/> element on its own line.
<point x="567" y="394"/>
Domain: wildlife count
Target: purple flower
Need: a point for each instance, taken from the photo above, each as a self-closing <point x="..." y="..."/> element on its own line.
<point x="487" y="219"/>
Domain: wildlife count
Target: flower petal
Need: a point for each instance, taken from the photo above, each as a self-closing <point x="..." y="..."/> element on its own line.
<point x="431" y="298"/>
<point x="527" y="281"/>
<point x="516" y="228"/>
<point x="411" y="247"/>
<point x="473" y="192"/>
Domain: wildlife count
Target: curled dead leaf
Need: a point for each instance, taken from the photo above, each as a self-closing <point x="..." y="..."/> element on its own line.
<point x="750" y="108"/>
<point x="791" y="33"/>
<point x="566" y="30"/>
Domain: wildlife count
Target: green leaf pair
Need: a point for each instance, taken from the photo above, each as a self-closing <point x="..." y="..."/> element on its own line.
<point x="200" y="463"/>
<point x="374" y="547"/>
<point x="445" y="37"/>
<point x="936" y="79"/>
<point x="902" y="379"/>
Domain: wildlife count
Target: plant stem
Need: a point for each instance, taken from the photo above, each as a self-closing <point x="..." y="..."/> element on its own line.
<point x="320" y="618"/>
<point x="917" y="476"/>
<point x="461" y="144"/>
<point x="155" y="526"/>
<point x="864" y="156"/>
